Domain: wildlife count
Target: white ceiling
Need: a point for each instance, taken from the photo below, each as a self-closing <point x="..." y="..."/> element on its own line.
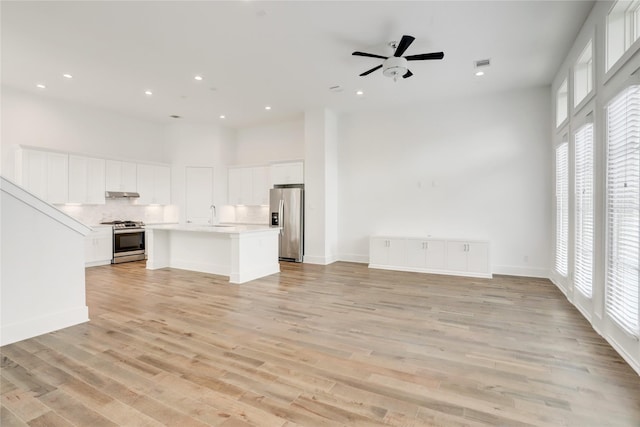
<point x="285" y="54"/>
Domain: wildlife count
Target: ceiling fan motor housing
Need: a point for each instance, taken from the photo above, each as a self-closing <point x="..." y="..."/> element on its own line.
<point x="394" y="66"/>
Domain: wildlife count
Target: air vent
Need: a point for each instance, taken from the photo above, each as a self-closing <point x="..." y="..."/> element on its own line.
<point x="483" y="63"/>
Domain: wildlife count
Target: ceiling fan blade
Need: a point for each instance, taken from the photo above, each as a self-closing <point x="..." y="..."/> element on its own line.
<point x="403" y="45"/>
<point x="371" y="70"/>
<point x="370" y="55"/>
<point x="407" y="74"/>
<point x="423" y="56"/>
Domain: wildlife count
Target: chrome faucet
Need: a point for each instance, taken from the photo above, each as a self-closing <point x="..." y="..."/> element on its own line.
<point x="212" y="209"/>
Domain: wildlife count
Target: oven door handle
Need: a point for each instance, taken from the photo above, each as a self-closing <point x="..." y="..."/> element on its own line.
<point x="130" y="230"/>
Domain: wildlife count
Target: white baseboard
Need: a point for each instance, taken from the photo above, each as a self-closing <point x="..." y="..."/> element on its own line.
<point x="362" y="259"/>
<point x="320" y="260"/>
<point x="512" y="270"/>
<point x="424" y="270"/>
<point x="42" y="325"/>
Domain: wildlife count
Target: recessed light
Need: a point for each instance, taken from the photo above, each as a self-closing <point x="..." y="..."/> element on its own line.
<point x="148" y="92"/>
<point x="268" y="107"/>
<point x="359" y="93"/>
<point x="222" y="116"/>
<point x="479" y="73"/>
<point x="41" y="86"/>
<point x="198" y="78"/>
<point x="67" y="76"/>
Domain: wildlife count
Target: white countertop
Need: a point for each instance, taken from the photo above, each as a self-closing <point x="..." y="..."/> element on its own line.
<point x="220" y="228"/>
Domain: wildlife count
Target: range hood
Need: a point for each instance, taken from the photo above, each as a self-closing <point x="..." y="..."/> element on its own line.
<point x="121" y="195"/>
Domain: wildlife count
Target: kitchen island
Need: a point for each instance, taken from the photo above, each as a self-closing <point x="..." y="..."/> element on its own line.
<point x="241" y="252"/>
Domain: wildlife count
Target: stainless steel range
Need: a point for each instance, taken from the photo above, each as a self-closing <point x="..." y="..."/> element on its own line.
<point x="128" y="241"/>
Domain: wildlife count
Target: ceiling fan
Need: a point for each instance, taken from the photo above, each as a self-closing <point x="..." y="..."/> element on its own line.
<point x="396" y="65"/>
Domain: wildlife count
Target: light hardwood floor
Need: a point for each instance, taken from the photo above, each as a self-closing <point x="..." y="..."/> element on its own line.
<point x="318" y="346"/>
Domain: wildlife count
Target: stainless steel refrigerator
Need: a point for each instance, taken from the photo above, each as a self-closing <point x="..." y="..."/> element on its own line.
<point x="287" y="212"/>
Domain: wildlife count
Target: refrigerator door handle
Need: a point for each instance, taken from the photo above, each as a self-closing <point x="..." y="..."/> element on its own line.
<point x="280" y="214"/>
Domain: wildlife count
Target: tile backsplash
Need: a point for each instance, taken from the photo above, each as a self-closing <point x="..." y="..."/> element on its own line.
<point x="126" y="209"/>
<point x="121" y="209"/>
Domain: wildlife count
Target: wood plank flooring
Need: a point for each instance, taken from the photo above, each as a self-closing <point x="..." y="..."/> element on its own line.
<point x="338" y="345"/>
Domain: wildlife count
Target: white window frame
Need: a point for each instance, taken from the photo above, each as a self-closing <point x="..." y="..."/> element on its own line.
<point x="562" y="209"/>
<point x="622" y="278"/>
<point x="562" y="102"/>
<point x="622" y="31"/>
<point x="584" y="224"/>
<point x="583" y="80"/>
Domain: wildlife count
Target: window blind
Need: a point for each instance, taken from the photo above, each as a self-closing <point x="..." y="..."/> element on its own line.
<point x="623" y="213"/>
<point x="583" y="262"/>
<point x="562" y="208"/>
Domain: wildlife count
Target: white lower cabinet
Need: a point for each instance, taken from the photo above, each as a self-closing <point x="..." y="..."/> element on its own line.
<point x="387" y="251"/>
<point x="441" y="256"/>
<point x="98" y="247"/>
<point x="468" y="256"/>
<point x="423" y="253"/>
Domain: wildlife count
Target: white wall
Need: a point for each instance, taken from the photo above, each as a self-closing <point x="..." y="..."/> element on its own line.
<point x="200" y="145"/>
<point x="270" y="143"/>
<point x="42" y="276"/>
<point x="40" y="121"/>
<point x="472" y="168"/>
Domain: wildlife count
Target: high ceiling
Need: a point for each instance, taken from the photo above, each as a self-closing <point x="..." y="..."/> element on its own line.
<point x="285" y="54"/>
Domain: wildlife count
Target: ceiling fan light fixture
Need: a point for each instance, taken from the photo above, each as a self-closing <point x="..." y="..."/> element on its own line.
<point x="394" y="67"/>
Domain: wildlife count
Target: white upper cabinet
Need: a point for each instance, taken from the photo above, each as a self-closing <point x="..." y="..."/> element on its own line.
<point x="248" y="185"/>
<point x="260" y="188"/>
<point x="86" y="180"/>
<point x="153" y="184"/>
<point x="121" y="176"/>
<point x="43" y="173"/>
<point x="287" y="173"/>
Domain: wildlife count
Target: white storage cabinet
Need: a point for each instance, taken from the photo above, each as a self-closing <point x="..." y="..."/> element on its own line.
<point x="153" y="183"/>
<point x="98" y="246"/>
<point x="121" y="176"/>
<point x="86" y="180"/>
<point x="428" y="255"/>
<point x="287" y="173"/>
<point x="248" y="185"/>
<point x="43" y="173"/>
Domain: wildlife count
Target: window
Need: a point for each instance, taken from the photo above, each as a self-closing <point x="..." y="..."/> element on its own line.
<point x="562" y="208"/>
<point x="583" y="267"/>
<point x="562" y="103"/>
<point x="623" y="29"/>
<point x="583" y="75"/>
<point x="623" y="210"/>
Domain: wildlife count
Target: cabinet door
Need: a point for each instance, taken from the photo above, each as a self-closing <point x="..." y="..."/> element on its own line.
<point x="32" y="172"/>
<point x="397" y="252"/>
<point x="199" y="194"/>
<point x="129" y="177"/>
<point x="416" y="253"/>
<point x="120" y="176"/>
<point x="113" y="175"/>
<point x="478" y="257"/>
<point x="287" y="173"/>
<point x="235" y="186"/>
<point x="260" y="187"/>
<point x="78" y="170"/>
<point x="436" y="251"/>
<point x="145" y="185"/>
<point x="456" y="255"/>
<point x="378" y="251"/>
<point x="296" y="173"/>
<point x="57" y="178"/>
<point x="95" y="181"/>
